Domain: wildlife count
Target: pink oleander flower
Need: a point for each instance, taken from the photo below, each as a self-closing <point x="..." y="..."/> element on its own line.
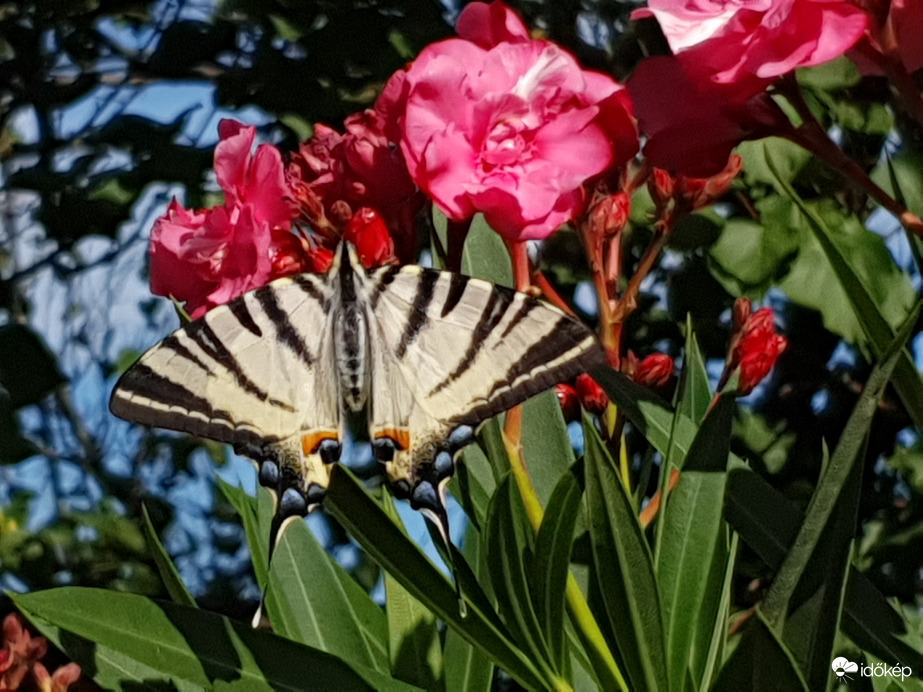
<point x="739" y="40"/>
<point x="698" y="104"/>
<point x="209" y="257"/>
<point x="498" y="123"/>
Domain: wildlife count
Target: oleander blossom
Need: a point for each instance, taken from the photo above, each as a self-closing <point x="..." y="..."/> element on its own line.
<point x="698" y="104"/>
<point x="208" y="257"/>
<point x="498" y="123"/>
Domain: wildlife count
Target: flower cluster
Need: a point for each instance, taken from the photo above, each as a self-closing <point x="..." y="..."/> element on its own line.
<point x="499" y="123"/>
<point x="20" y="654"/>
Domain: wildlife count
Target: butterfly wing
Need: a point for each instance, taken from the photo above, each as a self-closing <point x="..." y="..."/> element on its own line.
<point x="249" y="373"/>
<point x="463" y="350"/>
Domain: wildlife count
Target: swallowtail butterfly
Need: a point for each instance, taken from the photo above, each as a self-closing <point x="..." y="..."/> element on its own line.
<point x="424" y="355"/>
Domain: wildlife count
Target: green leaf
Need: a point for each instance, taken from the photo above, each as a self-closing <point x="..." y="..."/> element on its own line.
<point x="122" y="639"/>
<point x="546" y="445"/>
<point x="769" y="522"/>
<point x="413" y="638"/>
<point x="693" y="541"/>
<point x="624" y="570"/>
<point x="256" y="514"/>
<point x="551" y="562"/>
<point x="467" y="668"/>
<point x="834" y="75"/>
<point x="831" y="483"/>
<point x="313" y="600"/>
<point x="760" y="663"/>
<point x="696" y="389"/>
<point x="749" y="255"/>
<point x="509" y="559"/>
<point x="874" y="315"/>
<point x="387" y="545"/>
<point x="486" y="256"/>
<point x="811" y="627"/>
<point x="308" y="590"/>
<point x="788" y="160"/>
<point x="174" y="583"/>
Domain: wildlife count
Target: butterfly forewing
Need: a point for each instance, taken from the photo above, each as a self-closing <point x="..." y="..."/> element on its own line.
<point x="250" y="372"/>
<point x="468" y="349"/>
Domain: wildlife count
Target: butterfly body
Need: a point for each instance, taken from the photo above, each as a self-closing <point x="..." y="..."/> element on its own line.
<point x="423" y="356"/>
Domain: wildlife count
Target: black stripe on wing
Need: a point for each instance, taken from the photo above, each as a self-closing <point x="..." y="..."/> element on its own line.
<point x="384" y="277"/>
<point x="240" y="310"/>
<point x="210" y="343"/>
<point x="285" y="331"/>
<point x="419" y="312"/>
<point x="457" y="284"/>
<point x="150" y="387"/>
<point x="540" y="368"/>
<point x="493" y="312"/>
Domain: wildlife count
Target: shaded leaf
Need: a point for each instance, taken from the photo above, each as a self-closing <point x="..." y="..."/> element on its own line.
<point x="624" y="570"/>
<point x="759" y="663"/>
<point x="385" y="542"/>
<point x="551" y="562"/>
<point x="174" y="583"/>
<point x="120" y="639"/>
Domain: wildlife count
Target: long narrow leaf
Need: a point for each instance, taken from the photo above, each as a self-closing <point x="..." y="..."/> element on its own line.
<point x="467" y="667"/>
<point x="379" y="536"/>
<point x="312" y="600"/>
<point x="413" y="638"/>
<point x="172" y="580"/>
<point x="760" y="663"/>
<point x="693" y="542"/>
<point x="551" y="562"/>
<point x="509" y="556"/>
<point x="123" y="640"/>
<point x="834" y="478"/>
<point x="624" y="570"/>
<point x="769" y="522"/>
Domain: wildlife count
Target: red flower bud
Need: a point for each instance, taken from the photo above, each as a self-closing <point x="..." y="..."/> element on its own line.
<point x="570" y="403"/>
<point x="592" y="396"/>
<point x="288" y="254"/>
<point x="609" y="215"/>
<point x="742" y="309"/>
<point x="321" y="259"/>
<point x="369" y="233"/>
<point x="755" y="348"/>
<point x="660" y="185"/>
<point x="654" y="371"/>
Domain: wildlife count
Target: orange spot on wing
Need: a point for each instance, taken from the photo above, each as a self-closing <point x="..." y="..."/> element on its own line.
<point x="311" y="441"/>
<point x="400" y="435"/>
